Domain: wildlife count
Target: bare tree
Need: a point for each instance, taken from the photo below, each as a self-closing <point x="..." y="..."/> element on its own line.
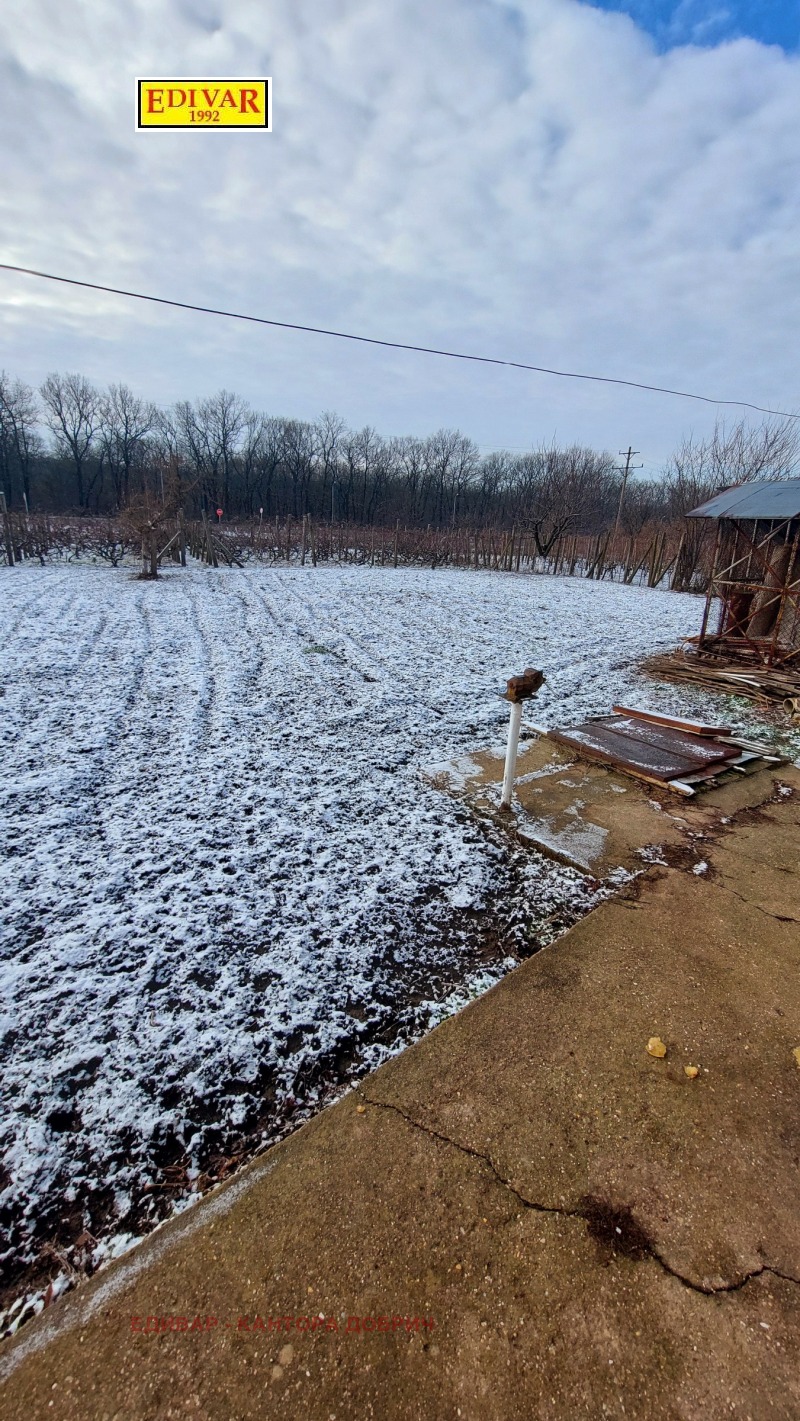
<point x="365" y="462"/>
<point x="559" y="490"/>
<point x="72" y="413"/>
<point x="645" y="502"/>
<point x="148" y="515"/>
<point x="270" y="455"/>
<point x="210" y="432"/>
<point x="124" y="424"/>
<point x="495" y="485"/>
<point x="328" y="432"/>
<point x="410" y="461"/>
<point x="769" y="450"/>
<point x="166" y="436"/>
<point x="452" y="463"/>
<point x="699" y="468"/>
<point x="226" y="416"/>
<point x="249" y="459"/>
<point x="19" y="442"/>
<point x="297" y="463"/>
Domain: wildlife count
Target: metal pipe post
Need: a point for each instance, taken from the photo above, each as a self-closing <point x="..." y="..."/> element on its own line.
<point x="515" y="721"/>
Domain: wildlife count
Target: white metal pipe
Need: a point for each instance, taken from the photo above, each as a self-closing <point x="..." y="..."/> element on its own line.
<point x="511" y="754"/>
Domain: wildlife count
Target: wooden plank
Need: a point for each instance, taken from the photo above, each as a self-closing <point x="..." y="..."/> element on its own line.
<point x="691" y="727"/>
<point x="693" y="747"/>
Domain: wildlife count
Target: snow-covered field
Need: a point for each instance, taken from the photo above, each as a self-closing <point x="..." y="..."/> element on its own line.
<point x="225" y="884"/>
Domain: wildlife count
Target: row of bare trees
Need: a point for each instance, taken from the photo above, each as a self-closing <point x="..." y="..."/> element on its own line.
<point x="73" y="447"/>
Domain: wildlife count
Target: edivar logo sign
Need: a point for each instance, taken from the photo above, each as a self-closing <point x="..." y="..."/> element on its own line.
<point x="204" y="103"/>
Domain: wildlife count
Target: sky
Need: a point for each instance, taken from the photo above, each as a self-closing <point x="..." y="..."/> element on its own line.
<point x="711" y="22"/>
<point x="606" y="188"/>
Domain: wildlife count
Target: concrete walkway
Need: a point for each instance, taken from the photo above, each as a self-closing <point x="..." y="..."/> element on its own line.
<point x="524" y="1216"/>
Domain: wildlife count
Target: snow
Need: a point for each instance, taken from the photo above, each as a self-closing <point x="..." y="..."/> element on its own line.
<point x="228" y="887"/>
<point x="581" y="843"/>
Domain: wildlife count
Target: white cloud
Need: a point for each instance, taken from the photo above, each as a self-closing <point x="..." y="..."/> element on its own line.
<point x="529" y="179"/>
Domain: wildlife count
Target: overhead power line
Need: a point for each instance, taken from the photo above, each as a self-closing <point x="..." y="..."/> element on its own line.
<point x="392" y="344"/>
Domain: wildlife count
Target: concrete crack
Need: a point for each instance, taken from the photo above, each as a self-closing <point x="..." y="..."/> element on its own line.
<point x="778" y="917"/>
<point x="586" y="1212"/>
<point x="474" y="1154"/>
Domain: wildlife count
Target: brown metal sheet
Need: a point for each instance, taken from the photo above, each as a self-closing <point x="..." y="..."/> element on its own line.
<point x="599" y="742"/>
<point x="691" y="727"/>
<point x="694" y="747"/>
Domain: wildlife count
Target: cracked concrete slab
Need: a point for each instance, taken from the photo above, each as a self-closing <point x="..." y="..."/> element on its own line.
<point x="579" y="1106"/>
<point x="759" y="862"/>
<point x="369" y="1216"/>
<point x="772" y="887"/>
<point x="579" y="1228"/>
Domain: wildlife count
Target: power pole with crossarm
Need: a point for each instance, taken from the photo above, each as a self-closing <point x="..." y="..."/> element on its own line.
<point x="628" y="453"/>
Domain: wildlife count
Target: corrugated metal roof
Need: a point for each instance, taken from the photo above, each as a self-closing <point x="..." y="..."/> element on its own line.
<point x="763" y="498"/>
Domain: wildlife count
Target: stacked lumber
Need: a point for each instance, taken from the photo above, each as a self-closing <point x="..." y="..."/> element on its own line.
<point x="768" y="685"/>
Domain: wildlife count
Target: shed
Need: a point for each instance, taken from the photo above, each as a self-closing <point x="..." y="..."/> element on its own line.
<point x="754" y="590"/>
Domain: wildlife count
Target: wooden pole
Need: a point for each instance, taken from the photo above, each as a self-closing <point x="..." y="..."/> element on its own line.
<point x="710" y="591"/>
<point x="7" y="539"/>
<point x="629" y="453"/>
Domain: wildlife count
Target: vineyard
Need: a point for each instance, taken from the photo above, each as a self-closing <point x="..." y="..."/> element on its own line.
<point x="657" y="558"/>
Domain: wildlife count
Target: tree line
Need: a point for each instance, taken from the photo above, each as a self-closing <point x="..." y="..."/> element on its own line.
<point x="71" y="447"/>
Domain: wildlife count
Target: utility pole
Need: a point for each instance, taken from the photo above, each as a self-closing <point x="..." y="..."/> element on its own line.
<point x="629" y="454"/>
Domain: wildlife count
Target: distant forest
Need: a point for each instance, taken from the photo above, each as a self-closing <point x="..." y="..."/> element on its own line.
<point x="73" y="448"/>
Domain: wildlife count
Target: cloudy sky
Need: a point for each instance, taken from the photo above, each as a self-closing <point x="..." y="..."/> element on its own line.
<point x="609" y="187"/>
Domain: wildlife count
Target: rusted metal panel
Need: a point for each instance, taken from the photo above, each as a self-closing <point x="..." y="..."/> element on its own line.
<point x="659" y="753"/>
<point x="663" y="737"/>
<point x="691" y="727"/>
<point x="763" y="498"/>
<point x="598" y="742"/>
